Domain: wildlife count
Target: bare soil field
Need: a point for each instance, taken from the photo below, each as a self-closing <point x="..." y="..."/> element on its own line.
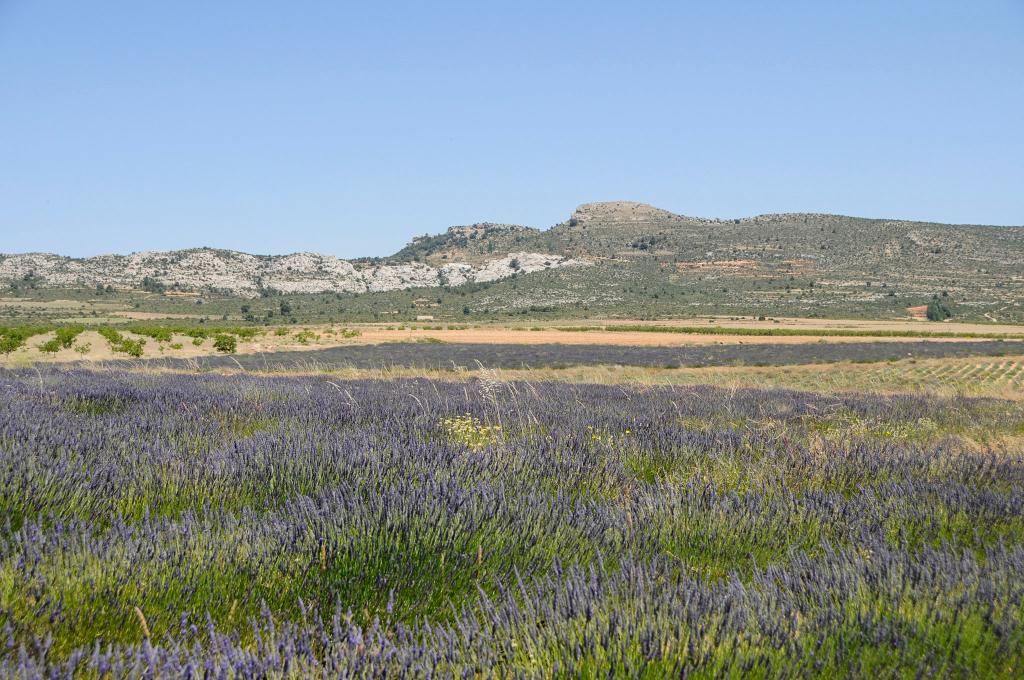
<point x="156" y="315"/>
<point x="59" y="304"/>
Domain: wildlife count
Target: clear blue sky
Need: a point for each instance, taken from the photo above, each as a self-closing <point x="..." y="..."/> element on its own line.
<point x="347" y="127"/>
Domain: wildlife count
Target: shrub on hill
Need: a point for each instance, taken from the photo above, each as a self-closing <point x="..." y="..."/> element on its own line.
<point x="938" y="311"/>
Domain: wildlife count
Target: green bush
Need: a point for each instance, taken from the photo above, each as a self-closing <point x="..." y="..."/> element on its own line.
<point x="151" y="285"/>
<point x="65" y="335"/>
<point x="132" y="348"/>
<point x="111" y="335"/>
<point x="13" y="338"/>
<point x="225" y="343"/>
<point x="50" y="346"/>
<point x="158" y="333"/>
<point x="119" y="343"/>
<point x="938" y="311"/>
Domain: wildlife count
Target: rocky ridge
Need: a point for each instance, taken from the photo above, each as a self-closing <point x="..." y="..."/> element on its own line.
<point x="248" y="275"/>
<point x="620" y="242"/>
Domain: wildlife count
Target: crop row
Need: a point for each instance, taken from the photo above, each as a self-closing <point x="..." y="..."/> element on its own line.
<point x="451" y="356"/>
<point x="15" y="337"/>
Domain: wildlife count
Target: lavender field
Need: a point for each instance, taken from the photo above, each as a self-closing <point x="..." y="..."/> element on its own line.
<point x="449" y="356"/>
<point x="195" y="525"/>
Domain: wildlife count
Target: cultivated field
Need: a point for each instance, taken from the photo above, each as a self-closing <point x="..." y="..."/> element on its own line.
<point x="27" y="343"/>
<point x="1000" y="377"/>
<point x="709" y="498"/>
<point x="455" y="357"/>
<point x="294" y="526"/>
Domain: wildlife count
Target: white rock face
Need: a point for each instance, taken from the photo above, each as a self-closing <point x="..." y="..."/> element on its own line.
<point x="245" y="275"/>
<point x="456" y="274"/>
<point x="398" y="276"/>
<point x="523" y="263"/>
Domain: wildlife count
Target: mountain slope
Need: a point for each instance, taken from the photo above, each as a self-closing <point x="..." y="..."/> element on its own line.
<point x="651" y="261"/>
<point x="623" y="258"/>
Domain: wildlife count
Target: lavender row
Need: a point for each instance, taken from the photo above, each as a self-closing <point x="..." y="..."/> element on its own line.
<point x="445" y="356"/>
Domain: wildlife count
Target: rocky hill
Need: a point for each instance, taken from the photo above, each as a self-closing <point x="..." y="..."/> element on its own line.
<point x="236" y="273"/>
<point x="620" y="256"/>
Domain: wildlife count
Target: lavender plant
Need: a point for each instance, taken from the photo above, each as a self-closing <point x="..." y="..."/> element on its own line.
<point x="208" y="526"/>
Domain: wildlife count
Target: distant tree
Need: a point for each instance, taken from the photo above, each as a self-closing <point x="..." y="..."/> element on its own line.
<point x="938" y="311"/>
<point x="151" y="285"/>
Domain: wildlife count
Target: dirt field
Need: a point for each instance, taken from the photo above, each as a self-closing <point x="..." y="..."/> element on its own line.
<point x="146" y="316"/>
<point x="915" y="325"/>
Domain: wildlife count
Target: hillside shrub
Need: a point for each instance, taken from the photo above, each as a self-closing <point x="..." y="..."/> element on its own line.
<point x="938" y="311"/>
